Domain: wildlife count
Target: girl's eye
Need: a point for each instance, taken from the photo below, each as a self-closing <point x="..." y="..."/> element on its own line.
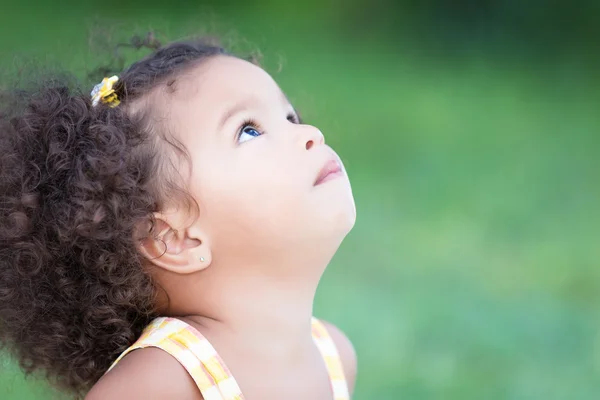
<point x="294" y="119"/>
<point x="248" y="131"/>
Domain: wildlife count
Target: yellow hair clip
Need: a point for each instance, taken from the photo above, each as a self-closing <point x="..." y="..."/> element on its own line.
<point x="104" y="92"/>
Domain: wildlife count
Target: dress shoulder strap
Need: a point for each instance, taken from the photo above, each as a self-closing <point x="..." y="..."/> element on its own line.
<point x="332" y="360"/>
<point x="194" y="352"/>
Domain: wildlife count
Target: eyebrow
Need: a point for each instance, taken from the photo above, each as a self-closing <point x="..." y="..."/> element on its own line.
<point x="245" y="104"/>
<point x="236" y="108"/>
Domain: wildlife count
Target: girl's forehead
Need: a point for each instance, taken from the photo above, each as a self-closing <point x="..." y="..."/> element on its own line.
<point x="223" y="78"/>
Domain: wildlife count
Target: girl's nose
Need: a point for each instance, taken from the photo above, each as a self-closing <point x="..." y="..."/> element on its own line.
<point x="312" y="136"/>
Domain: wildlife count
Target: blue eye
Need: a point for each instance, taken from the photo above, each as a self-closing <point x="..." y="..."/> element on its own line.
<point x="248" y="131"/>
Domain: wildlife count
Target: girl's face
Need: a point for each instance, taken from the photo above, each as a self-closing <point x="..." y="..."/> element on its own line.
<point x="255" y="169"/>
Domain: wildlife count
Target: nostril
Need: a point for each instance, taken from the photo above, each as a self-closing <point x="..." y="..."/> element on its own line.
<point x="309" y="144"/>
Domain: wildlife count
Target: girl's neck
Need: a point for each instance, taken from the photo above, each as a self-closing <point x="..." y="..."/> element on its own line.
<point x="257" y="315"/>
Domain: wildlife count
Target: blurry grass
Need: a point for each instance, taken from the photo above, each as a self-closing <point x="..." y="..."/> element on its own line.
<point x="472" y="270"/>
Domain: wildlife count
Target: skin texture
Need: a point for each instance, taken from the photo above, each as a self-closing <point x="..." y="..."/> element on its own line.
<point x="244" y="268"/>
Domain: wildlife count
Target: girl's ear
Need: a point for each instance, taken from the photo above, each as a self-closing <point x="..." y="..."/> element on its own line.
<point x="180" y="251"/>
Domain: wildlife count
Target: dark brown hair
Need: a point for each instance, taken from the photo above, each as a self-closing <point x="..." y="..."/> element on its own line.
<point x="76" y="183"/>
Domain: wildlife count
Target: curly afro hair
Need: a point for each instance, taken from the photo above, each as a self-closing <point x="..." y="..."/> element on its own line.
<point x="76" y="184"/>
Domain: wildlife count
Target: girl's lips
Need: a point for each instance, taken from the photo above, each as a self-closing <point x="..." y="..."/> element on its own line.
<point x="330" y="170"/>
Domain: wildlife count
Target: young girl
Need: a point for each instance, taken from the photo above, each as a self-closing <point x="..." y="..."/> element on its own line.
<point x="164" y="237"/>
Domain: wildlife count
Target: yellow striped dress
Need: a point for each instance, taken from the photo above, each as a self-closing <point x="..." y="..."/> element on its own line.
<point x="208" y="370"/>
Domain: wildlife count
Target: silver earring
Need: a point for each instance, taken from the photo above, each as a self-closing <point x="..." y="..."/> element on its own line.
<point x="201" y="259"/>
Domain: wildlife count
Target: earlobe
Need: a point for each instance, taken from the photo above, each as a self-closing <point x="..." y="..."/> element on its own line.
<point x="204" y="260"/>
<point x="182" y="251"/>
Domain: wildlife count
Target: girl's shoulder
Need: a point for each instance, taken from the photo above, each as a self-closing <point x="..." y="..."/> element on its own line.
<point x="146" y="373"/>
<point x="154" y="365"/>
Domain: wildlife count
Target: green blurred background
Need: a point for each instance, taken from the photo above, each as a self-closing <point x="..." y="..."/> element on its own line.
<point x="471" y="133"/>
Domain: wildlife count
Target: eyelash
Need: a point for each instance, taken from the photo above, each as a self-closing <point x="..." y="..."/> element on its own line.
<point x="249" y="122"/>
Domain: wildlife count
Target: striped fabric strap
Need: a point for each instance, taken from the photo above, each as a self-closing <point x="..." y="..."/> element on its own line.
<point x="332" y="360"/>
<point x="195" y="354"/>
